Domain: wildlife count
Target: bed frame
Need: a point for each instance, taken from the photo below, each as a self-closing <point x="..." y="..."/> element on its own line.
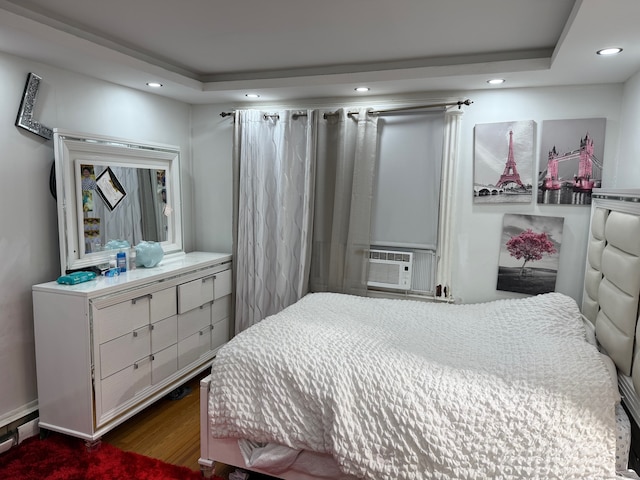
<point x="610" y="302"/>
<point x="226" y="450"/>
<point x="612" y="286"/>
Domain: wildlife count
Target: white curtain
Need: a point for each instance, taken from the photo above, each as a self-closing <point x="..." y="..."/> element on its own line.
<point x="301" y="180"/>
<point x="154" y="222"/>
<point x="274" y="174"/>
<point x="453" y="121"/>
<point x="347" y="150"/>
<point x="124" y="221"/>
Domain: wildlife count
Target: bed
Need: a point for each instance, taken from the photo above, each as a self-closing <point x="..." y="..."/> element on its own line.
<point x="345" y="387"/>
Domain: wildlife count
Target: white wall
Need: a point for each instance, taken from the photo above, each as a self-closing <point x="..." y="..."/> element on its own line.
<point x="477" y="227"/>
<point x="627" y="174"/>
<point x="212" y="144"/>
<point x="29" y="232"/>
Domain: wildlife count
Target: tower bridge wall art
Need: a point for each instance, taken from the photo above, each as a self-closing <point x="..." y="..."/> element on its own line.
<point x="570" y="166"/>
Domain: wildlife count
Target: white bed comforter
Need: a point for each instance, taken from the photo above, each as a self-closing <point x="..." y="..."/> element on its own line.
<point x="399" y="389"/>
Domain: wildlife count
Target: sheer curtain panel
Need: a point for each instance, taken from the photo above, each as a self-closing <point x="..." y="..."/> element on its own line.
<point x="347" y="151"/>
<point x="274" y="176"/>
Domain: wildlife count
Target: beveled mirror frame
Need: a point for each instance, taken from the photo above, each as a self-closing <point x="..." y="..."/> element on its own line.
<point x="72" y="149"/>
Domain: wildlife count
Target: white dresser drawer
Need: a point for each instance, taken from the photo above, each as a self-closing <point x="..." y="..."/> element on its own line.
<point x="164" y="303"/>
<point x="164" y="363"/>
<point x="222" y="285"/>
<point x="164" y="333"/>
<point x="195" y="293"/>
<point x="123" y="351"/>
<point x="119" y="319"/>
<point x="193" y="321"/>
<point x="219" y="333"/>
<point x="125" y="384"/>
<point x="220" y="309"/>
<point x="190" y="349"/>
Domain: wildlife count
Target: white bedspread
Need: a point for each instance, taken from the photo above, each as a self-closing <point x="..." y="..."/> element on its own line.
<point x="399" y="389"/>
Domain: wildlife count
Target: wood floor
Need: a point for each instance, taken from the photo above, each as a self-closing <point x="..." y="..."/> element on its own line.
<point x="168" y="430"/>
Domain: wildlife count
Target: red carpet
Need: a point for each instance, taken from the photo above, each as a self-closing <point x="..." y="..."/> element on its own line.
<point x="60" y="457"/>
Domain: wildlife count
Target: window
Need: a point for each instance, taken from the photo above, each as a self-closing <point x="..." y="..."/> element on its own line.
<point x="416" y="156"/>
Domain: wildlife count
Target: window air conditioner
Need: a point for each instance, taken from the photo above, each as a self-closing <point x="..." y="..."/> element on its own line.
<point x="389" y="269"/>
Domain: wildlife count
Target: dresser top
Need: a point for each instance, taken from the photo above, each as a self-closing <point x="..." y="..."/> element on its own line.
<point x="170" y="266"/>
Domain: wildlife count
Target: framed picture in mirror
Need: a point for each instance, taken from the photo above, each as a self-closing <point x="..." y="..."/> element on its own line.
<point x="109" y="188"/>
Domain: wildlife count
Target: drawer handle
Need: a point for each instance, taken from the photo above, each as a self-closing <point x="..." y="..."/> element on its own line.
<point x="204" y="279"/>
<point x="134" y="300"/>
<point x="137" y="364"/>
<point x="136" y="333"/>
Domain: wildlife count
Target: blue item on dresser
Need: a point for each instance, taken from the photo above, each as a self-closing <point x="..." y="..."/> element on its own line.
<point x="76" y="277"/>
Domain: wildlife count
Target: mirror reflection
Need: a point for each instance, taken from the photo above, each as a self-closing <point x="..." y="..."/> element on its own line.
<point x="134" y="209"/>
<point x="114" y="189"/>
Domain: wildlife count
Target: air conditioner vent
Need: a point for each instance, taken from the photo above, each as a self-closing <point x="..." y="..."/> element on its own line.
<point x="390" y="269"/>
<point x="391" y="256"/>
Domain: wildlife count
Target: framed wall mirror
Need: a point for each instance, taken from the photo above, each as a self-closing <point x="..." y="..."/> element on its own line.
<point x="110" y="189"/>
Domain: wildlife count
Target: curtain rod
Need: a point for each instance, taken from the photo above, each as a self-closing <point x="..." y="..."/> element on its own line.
<point x="433" y="105"/>
<point x="399" y="109"/>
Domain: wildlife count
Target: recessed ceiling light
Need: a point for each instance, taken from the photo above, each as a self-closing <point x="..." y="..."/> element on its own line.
<point x="252" y="95"/>
<point x="609" y="51"/>
<point x="361" y="89"/>
<point x="154" y="84"/>
<point x="495" y="81"/>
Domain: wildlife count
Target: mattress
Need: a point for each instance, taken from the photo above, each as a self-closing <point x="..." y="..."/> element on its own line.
<point x="399" y="389"/>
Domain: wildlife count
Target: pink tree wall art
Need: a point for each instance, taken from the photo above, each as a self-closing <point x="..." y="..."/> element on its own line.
<point x="529" y="253"/>
<point x="530" y="246"/>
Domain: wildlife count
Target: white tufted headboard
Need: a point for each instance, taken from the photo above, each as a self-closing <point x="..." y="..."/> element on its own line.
<point x="612" y="282"/>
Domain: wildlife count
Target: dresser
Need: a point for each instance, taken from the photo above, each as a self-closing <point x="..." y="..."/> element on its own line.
<point x="108" y="348"/>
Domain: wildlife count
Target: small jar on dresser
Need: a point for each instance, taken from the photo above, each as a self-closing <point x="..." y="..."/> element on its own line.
<point x="108" y="348"/>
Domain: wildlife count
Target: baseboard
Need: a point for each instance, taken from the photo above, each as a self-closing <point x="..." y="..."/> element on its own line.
<point x="18" y="431"/>
<point x="6" y="442"/>
<point x="14" y="417"/>
<point x="28" y="429"/>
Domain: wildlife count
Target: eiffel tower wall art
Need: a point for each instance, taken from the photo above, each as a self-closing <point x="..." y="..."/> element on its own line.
<point x="571" y="154"/>
<point x="503" y="162"/>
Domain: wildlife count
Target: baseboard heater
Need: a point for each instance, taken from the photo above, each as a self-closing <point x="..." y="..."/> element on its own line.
<point x="390" y="269"/>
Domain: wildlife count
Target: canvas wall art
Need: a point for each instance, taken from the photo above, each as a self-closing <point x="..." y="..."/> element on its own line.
<point x="571" y="157"/>
<point x="503" y="162"/>
<point x="529" y="253"/>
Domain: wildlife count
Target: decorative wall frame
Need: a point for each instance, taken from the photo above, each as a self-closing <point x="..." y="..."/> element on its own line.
<point x="571" y="159"/>
<point x="503" y="162"/>
<point x="25" y="113"/>
<point x="529" y="253"/>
